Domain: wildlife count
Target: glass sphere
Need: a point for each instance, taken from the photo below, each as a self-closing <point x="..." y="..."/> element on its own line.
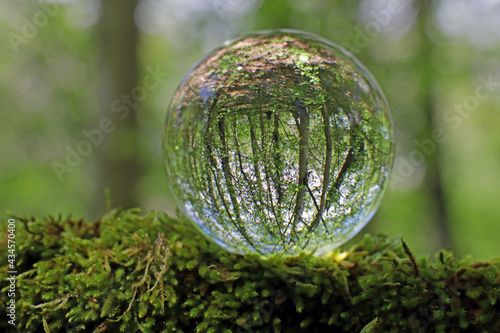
<point x="279" y="142"/>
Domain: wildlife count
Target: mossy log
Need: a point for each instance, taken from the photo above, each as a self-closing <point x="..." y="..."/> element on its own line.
<point x="130" y="272"/>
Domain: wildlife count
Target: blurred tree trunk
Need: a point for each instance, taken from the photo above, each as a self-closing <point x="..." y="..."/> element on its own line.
<point x="433" y="182"/>
<point x="118" y="162"/>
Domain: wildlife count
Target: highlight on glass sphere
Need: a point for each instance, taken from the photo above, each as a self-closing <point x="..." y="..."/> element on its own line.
<point x="279" y="142"/>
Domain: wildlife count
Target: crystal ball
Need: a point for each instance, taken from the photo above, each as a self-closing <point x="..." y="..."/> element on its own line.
<point x="278" y="142"/>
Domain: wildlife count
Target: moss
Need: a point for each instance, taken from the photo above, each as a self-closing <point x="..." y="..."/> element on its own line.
<point x="129" y="272"/>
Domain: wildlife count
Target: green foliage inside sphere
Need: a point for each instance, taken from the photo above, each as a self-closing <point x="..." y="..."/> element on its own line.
<point x="279" y="141"/>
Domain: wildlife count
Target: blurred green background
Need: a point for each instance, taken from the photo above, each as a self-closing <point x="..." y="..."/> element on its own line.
<point x="85" y="85"/>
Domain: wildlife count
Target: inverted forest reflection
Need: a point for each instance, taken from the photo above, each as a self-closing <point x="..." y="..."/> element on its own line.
<point x="279" y="142"/>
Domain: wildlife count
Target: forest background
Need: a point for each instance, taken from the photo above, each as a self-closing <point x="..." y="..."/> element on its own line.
<point x="85" y="85"/>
